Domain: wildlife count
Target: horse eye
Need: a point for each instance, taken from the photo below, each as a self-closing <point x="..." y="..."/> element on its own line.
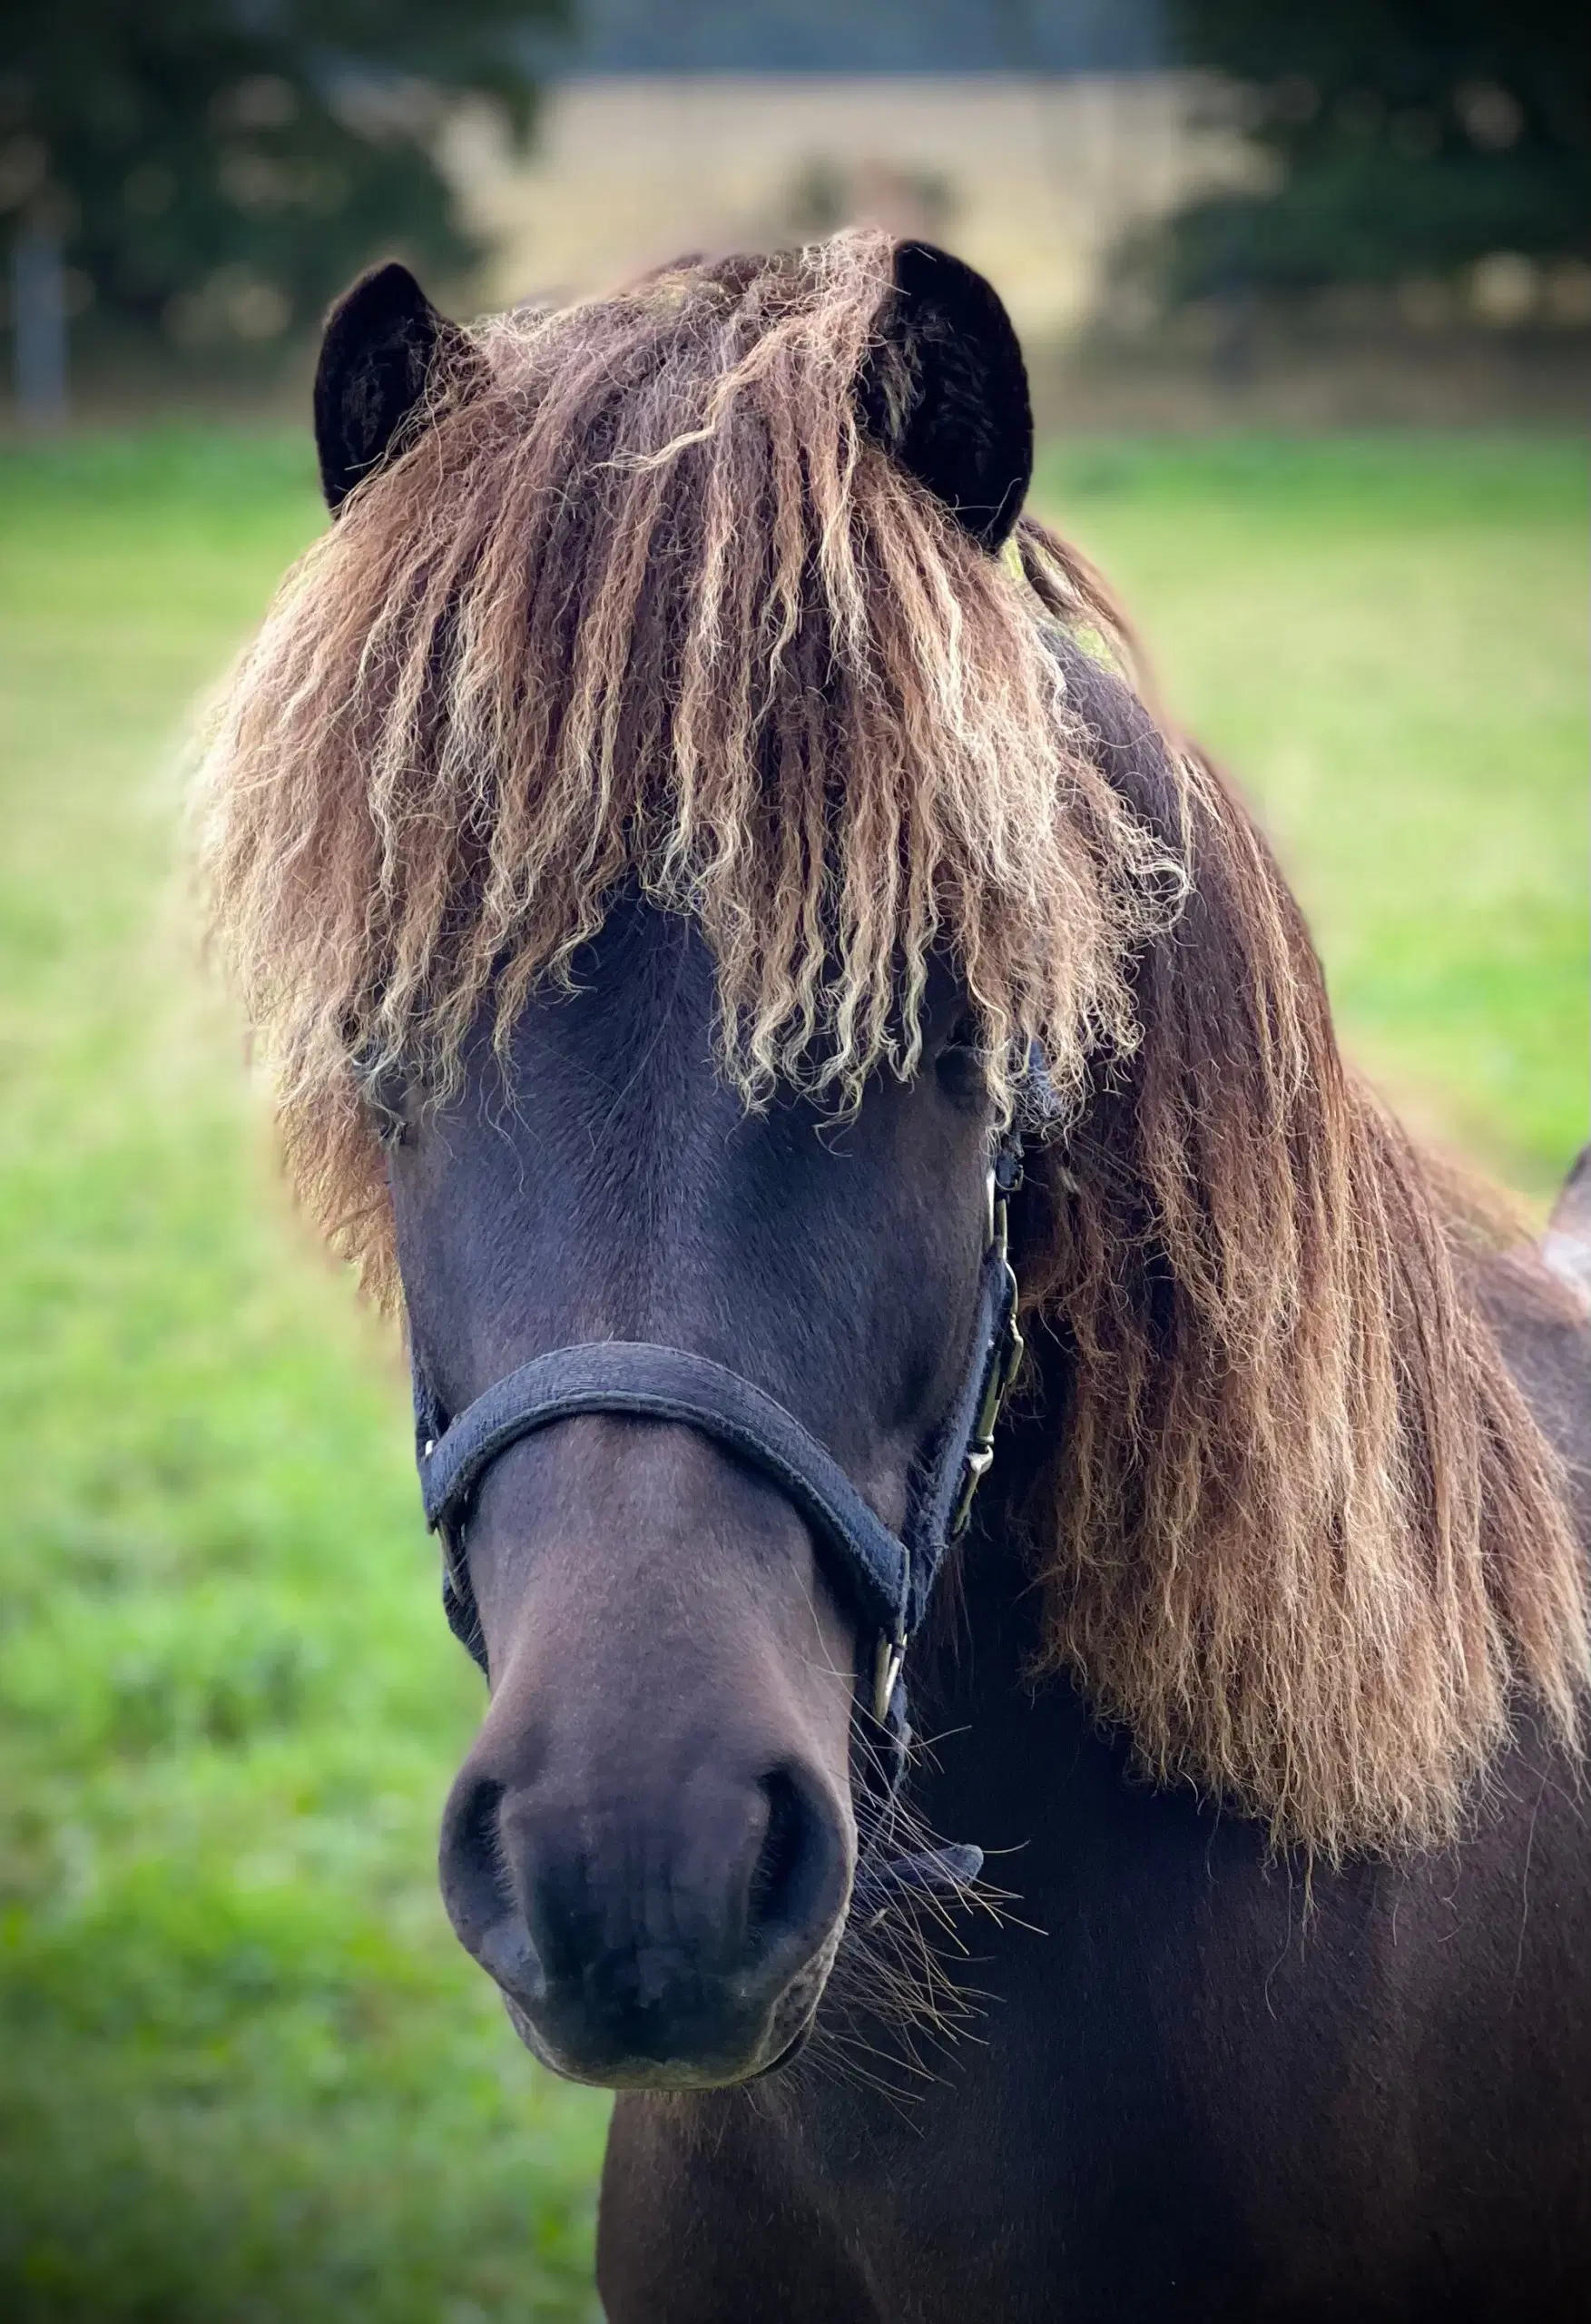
<point x="966" y="1033"/>
<point x="960" y="1064"/>
<point x="388" y="1118"/>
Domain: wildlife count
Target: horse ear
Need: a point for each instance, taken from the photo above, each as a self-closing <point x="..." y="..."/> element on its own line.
<point x="381" y="346"/>
<point x="944" y="391"/>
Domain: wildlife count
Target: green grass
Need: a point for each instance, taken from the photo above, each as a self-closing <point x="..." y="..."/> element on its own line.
<point x="246" y="2073"/>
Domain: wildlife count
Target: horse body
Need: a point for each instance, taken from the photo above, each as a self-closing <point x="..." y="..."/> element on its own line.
<point x="657" y="903"/>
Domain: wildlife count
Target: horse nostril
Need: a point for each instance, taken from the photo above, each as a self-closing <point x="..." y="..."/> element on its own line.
<point x="478" y="1894"/>
<point x="474" y="1887"/>
<point x="785" y="1894"/>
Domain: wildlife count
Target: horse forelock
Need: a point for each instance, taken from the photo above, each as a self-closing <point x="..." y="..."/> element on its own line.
<point x="642" y="606"/>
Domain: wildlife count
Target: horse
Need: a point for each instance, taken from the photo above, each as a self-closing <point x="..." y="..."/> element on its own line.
<point x="1028" y="1547"/>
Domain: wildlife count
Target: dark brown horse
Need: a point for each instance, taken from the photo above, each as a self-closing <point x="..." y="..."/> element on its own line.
<point x="677" y="833"/>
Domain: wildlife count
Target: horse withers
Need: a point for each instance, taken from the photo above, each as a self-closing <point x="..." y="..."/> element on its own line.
<point x="725" y="927"/>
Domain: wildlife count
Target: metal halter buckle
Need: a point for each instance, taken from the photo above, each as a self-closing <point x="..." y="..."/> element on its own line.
<point x="1005" y="1357"/>
<point x="886" y="1662"/>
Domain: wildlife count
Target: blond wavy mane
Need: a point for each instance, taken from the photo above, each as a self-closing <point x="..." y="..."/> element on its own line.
<point x="641" y="604"/>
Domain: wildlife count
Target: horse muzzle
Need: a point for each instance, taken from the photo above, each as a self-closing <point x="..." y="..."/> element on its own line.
<point x="673" y="1942"/>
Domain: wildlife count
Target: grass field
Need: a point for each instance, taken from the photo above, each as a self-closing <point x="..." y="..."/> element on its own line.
<point x="247" y="2074"/>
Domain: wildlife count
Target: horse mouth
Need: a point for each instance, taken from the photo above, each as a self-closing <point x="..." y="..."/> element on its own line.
<point x="644" y="2062"/>
<point x="780" y="2049"/>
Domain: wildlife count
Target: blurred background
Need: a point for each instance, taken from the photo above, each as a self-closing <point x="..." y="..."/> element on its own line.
<point x="1306" y="290"/>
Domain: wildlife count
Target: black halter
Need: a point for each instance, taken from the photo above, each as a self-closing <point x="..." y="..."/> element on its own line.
<point x="890" y="1577"/>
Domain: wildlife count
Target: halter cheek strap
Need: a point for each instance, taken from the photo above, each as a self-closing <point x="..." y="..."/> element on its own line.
<point x="889" y="1577"/>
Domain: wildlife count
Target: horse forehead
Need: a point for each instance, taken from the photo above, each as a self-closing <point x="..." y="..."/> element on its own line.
<point x="596" y="1080"/>
<point x="624" y="1064"/>
<point x="617" y="1115"/>
<point x="610" y="1113"/>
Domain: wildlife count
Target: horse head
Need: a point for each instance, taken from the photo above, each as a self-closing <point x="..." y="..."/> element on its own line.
<point x="653" y="1844"/>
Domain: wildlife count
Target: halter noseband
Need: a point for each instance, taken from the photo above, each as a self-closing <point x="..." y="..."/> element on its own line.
<point x="889" y="1576"/>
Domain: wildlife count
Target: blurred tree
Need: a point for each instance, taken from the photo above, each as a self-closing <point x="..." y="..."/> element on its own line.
<point x="216" y="169"/>
<point x="1410" y="138"/>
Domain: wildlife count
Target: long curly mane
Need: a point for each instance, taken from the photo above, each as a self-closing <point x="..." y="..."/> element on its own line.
<point x="641" y="602"/>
